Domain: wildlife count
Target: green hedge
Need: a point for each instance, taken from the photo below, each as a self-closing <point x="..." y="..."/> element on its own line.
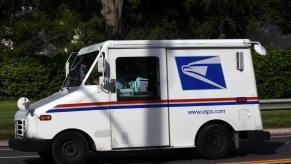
<point x="273" y="74"/>
<point x="38" y="77"/>
<point x="34" y="77"/>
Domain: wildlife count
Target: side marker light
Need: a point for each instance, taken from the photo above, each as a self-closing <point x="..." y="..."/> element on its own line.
<point x="45" y="117"/>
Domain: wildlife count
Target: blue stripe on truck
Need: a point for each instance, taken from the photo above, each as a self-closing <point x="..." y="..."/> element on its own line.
<point x="108" y="107"/>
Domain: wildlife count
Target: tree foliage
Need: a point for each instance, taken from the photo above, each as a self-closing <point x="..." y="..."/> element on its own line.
<point x="45" y="26"/>
<point x="49" y="26"/>
<point x="31" y="30"/>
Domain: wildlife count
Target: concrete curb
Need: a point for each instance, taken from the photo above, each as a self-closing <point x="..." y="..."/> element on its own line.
<point x="273" y="132"/>
<point x="279" y="131"/>
<point x="3" y="143"/>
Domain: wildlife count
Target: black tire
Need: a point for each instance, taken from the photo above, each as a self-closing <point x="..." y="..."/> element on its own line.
<point x="70" y="148"/>
<point x="46" y="155"/>
<point x="215" y="141"/>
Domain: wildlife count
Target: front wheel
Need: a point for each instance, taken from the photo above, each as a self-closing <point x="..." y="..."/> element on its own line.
<point x="215" y="141"/>
<point x="70" y="148"/>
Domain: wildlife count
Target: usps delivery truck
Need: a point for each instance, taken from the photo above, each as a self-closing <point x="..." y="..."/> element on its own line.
<point x="146" y="94"/>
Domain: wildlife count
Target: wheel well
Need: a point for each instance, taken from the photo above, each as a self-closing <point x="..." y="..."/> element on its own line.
<point x="221" y="122"/>
<point x="88" y="138"/>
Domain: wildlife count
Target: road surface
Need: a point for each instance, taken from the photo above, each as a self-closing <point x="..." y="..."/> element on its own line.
<point x="277" y="150"/>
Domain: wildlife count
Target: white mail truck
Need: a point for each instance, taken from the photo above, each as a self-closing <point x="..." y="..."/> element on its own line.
<point x="147" y="94"/>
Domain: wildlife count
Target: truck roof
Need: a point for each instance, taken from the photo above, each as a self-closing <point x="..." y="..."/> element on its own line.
<point x="185" y="43"/>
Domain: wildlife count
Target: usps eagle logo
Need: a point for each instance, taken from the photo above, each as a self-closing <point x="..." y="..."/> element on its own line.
<point x="200" y="72"/>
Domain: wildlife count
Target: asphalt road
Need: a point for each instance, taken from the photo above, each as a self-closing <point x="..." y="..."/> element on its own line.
<point x="277" y="150"/>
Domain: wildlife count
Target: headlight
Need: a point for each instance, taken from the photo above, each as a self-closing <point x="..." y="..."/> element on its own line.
<point x="23" y="103"/>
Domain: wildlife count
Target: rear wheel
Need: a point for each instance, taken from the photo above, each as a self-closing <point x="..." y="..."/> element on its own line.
<point x="70" y="147"/>
<point x="215" y="141"/>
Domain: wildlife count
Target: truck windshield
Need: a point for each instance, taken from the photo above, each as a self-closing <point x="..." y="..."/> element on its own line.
<point x="79" y="69"/>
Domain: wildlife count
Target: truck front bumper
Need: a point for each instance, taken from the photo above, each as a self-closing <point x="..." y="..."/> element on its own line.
<point x="30" y="145"/>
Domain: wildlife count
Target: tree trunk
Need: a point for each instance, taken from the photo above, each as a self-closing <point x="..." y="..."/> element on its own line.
<point x="112" y="11"/>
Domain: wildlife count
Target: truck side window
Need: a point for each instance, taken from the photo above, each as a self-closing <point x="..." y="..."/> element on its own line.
<point x="137" y="78"/>
<point x="93" y="78"/>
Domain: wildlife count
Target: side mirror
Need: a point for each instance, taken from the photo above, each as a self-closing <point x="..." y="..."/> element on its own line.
<point x="67" y="65"/>
<point x="259" y="49"/>
<point x="101" y="69"/>
<point x="101" y="64"/>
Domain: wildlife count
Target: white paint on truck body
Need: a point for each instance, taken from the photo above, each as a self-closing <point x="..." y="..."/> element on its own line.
<point x="188" y="83"/>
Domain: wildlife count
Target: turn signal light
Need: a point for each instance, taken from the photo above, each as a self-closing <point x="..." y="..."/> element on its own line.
<point x="45" y="117"/>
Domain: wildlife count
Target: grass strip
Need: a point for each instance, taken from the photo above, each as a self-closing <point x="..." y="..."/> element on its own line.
<point x="276" y="118"/>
